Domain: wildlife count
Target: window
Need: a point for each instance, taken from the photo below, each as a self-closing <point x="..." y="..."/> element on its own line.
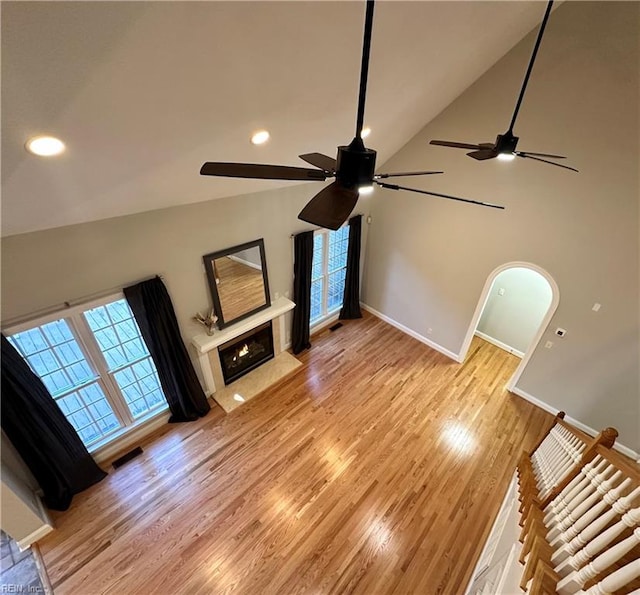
<point x="328" y="271"/>
<point x="96" y="366"/>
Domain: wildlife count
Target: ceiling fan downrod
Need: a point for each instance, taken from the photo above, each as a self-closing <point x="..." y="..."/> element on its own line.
<point x="355" y="163"/>
<point x="530" y="67"/>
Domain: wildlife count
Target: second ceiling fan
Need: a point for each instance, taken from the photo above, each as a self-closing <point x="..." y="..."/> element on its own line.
<point x="505" y="146"/>
<point x="353" y="170"/>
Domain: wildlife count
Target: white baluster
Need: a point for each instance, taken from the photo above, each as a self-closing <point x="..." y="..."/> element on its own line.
<point x="616" y="580"/>
<point x="555" y="469"/>
<point x="561" y="470"/>
<point x="549" y="450"/>
<point x="597" y="542"/>
<point x="594" y="481"/>
<point x="576" y="486"/>
<point x="587" y="514"/>
<point x="618" y="508"/>
<point x="576" y="580"/>
<point x="570" y="455"/>
<point x="597" y="488"/>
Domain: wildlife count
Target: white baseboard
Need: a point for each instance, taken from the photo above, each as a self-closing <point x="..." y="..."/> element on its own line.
<point x="454" y="356"/>
<point x="500" y="344"/>
<point x="625" y="450"/>
<point x="30" y="539"/>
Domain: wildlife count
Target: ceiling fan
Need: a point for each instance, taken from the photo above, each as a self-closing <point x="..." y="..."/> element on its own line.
<point x="505" y="146"/>
<point x="353" y="170"/>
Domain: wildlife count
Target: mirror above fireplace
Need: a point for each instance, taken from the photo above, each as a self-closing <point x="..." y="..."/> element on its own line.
<point x="238" y="281"/>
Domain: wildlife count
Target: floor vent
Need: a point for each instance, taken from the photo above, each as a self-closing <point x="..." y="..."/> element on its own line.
<point x="127" y="457"/>
<point x="335" y="327"/>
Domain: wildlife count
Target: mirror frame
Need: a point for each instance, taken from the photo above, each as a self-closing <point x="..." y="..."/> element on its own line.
<point x="213" y="286"/>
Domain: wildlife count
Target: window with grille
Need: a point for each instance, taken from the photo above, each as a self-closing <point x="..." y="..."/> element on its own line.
<point x="328" y="272"/>
<point x="96" y="366"/>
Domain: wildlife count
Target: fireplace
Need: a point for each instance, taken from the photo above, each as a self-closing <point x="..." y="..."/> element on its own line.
<point x="246" y="352"/>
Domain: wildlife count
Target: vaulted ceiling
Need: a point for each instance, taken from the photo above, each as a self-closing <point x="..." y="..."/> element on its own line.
<point x="143" y="93"/>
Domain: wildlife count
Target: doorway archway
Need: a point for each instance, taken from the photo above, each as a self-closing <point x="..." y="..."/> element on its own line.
<point x="555" y="300"/>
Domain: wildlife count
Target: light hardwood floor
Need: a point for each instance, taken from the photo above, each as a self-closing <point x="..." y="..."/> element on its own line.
<point x="240" y="288"/>
<point x="377" y="467"/>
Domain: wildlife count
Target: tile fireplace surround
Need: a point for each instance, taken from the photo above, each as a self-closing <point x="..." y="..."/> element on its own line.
<point x="206" y="346"/>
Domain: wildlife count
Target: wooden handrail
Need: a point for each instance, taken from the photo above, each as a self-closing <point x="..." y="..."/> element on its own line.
<point x="629" y="467"/>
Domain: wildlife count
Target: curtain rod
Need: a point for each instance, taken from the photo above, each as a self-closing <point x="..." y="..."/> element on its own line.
<point x="70" y="303"/>
<point x="293" y="235"/>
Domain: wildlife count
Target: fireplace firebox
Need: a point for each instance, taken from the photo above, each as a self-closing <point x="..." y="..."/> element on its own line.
<point x="246" y="352"/>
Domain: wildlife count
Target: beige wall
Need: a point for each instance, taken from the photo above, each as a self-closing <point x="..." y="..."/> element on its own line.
<point x="428" y="259"/>
<point x="21" y="514"/>
<point x="45" y="268"/>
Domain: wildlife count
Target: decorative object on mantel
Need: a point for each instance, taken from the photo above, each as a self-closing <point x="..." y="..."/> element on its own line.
<point x="209" y="321"/>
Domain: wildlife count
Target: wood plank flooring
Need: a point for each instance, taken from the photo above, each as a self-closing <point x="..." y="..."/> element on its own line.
<point x="240" y="288"/>
<point x="377" y="467"/>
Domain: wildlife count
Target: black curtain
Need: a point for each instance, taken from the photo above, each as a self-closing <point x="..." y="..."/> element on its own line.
<point x="42" y="435"/>
<point x="302" y="264"/>
<point x="153" y="311"/>
<point x="351" y="300"/>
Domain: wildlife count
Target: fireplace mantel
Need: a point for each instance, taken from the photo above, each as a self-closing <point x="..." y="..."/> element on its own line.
<point x="204" y="344"/>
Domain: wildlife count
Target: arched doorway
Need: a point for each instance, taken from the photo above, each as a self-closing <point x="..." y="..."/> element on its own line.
<point x="510" y="271"/>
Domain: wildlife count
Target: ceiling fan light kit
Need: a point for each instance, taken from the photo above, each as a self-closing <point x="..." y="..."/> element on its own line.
<point x="353" y="168"/>
<point x="505" y="146"/>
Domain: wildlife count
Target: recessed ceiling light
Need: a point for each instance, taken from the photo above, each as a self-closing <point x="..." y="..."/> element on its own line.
<point x="365" y="189"/>
<point x="260" y="137"/>
<point x="45" y="146"/>
<point x="506" y="156"/>
<point x="365" y="132"/>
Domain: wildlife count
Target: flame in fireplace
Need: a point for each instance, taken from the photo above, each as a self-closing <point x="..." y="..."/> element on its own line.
<point x="244" y="350"/>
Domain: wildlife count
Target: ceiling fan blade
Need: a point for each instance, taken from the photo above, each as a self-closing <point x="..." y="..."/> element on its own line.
<point x="483" y="154"/>
<point x="528" y="156"/>
<point x="330" y="207"/>
<point x="266" y="172"/>
<point x="474" y="202"/>
<point x="324" y="162"/>
<point x="527" y="153"/>
<point x="405" y="173"/>
<point x="455" y="145"/>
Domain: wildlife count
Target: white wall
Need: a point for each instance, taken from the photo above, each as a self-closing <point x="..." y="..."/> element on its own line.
<point x="517" y="303"/>
<point x="428" y="258"/>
